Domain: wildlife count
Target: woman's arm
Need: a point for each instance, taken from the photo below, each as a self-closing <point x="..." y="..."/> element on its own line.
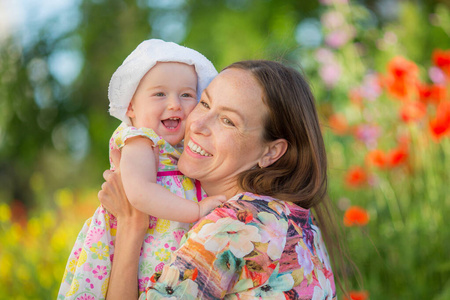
<point x="131" y="228"/>
<point x="139" y="168"/>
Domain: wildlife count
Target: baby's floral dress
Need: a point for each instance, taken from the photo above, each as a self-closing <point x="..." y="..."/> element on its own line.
<point x="88" y="268"/>
<point x="251" y="247"/>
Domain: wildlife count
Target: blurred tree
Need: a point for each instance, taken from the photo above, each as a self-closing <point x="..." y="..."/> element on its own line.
<point x="56" y="132"/>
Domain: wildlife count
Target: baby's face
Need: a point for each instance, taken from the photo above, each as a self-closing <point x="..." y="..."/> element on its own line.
<point x="163" y="100"/>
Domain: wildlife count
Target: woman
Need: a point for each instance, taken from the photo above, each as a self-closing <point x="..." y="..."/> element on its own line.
<point x="258" y="126"/>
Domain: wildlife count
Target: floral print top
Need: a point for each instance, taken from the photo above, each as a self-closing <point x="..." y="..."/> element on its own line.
<point x="89" y="264"/>
<point x="251" y="247"/>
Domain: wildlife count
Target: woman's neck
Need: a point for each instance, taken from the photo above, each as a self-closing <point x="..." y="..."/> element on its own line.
<point x="228" y="189"/>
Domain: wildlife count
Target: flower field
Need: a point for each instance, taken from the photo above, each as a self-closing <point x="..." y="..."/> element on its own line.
<point x="383" y="94"/>
<point x="34" y="248"/>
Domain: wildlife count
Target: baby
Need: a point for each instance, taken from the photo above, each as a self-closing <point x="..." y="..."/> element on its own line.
<point x="152" y="92"/>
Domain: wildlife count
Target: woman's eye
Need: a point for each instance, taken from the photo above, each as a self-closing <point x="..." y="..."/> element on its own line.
<point x="228" y="122"/>
<point x="206" y="105"/>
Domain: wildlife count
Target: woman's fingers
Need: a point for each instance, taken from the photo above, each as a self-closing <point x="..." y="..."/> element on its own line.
<point x="106" y="174"/>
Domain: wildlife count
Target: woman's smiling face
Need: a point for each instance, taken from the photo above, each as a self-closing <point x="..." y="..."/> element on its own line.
<point x="224" y="131"/>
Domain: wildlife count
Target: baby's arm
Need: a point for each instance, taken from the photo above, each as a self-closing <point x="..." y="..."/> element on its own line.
<point x="138" y="166"/>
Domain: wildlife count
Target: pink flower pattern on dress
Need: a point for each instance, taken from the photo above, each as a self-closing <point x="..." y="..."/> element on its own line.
<point x="100" y="272"/>
<point x="90" y="262"/>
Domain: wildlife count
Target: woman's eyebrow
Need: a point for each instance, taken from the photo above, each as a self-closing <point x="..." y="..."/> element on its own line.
<point x="206" y="93"/>
<point x="225" y="108"/>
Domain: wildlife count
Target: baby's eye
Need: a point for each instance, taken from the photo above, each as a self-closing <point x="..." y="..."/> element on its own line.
<point x="160" y="94"/>
<point x="206" y="105"/>
<point x="187" y="95"/>
<point x="228" y="122"/>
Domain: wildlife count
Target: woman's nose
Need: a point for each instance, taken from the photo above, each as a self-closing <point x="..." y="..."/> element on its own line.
<point x="199" y="124"/>
<point x="174" y="103"/>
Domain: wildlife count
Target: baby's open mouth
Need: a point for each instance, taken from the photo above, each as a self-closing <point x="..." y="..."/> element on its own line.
<point x="171" y="123"/>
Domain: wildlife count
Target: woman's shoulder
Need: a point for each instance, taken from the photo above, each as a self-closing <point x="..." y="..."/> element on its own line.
<point x="247" y="200"/>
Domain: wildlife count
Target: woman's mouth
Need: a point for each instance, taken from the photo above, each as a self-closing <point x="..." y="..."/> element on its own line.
<point x="197" y="149"/>
<point x="171" y="123"/>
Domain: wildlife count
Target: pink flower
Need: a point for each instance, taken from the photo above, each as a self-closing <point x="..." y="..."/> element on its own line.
<point x="338" y="38"/>
<point x="77" y="253"/>
<point x="143" y="283"/>
<point x="324" y="56"/>
<point x="100" y="272"/>
<point x="332" y="20"/>
<point x="371" y="88"/>
<point x="152" y="222"/>
<point x="368" y="134"/>
<point x="436" y="75"/>
<point x="330" y="74"/>
<point x="86" y="297"/>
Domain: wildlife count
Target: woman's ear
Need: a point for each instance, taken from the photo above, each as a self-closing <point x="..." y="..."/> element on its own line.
<point x="130" y="111"/>
<point x="275" y="150"/>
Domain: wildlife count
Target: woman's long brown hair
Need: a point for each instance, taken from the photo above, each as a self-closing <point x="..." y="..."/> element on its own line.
<point x="300" y="175"/>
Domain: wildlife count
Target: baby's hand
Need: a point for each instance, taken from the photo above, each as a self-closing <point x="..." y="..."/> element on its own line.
<point x="209" y="203"/>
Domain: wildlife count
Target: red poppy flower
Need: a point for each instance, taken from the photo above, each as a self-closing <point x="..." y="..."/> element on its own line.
<point x="402" y="74"/>
<point x="441" y="58"/>
<point x="356" y="177"/>
<point x="412" y="111"/>
<point x="397" y="156"/>
<point x="358" y="295"/>
<point x="397" y="88"/>
<point x="376" y="158"/>
<point x="431" y="93"/>
<point x="440" y="126"/>
<point x="338" y="124"/>
<point x="401" y="68"/>
<point x="356" y="216"/>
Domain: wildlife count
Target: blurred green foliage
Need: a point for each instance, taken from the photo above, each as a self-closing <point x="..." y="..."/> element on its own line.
<point x="54" y="133"/>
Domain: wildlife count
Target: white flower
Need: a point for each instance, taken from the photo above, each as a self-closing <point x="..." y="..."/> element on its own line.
<point x="232" y="233"/>
<point x="274" y="233"/>
<point x="323" y="290"/>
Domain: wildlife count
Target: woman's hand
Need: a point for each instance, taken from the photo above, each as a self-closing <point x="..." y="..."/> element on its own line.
<point x="113" y="198"/>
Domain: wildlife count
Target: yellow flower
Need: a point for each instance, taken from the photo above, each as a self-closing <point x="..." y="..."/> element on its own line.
<point x="6" y="263"/>
<point x="162" y="225"/>
<point x="59" y="240"/>
<point x="64" y="198"/>
<point x="187" y="184"/>
<point x="100" y="250"/>
<point x="5" y="212"/>
<point x="34" y="227"/>
<point x="105" y="286"/>
<point x="73" y="288"/>
<point x="162" y="254"/>
<point x="72" y="265"/>
<point x="82" y="259"/>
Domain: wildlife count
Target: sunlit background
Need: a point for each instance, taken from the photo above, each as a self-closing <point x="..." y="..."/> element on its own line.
<point x="380" y="71"/>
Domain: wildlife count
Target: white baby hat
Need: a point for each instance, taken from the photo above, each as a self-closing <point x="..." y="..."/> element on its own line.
<point x="125" y="80"/>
